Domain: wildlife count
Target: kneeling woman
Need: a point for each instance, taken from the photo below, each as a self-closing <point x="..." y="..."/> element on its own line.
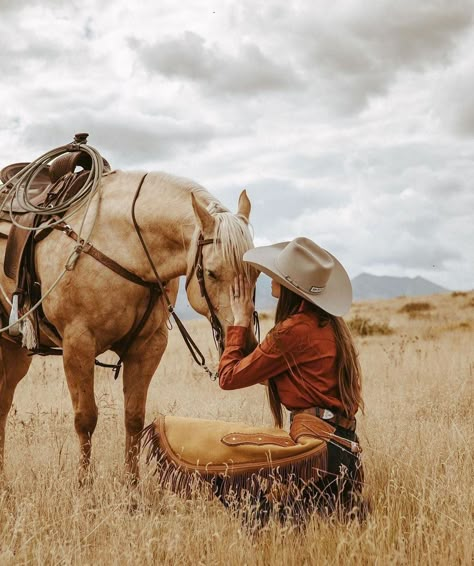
<point x="308" y="359"/>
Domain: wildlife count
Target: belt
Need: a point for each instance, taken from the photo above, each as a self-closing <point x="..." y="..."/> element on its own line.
<point x="329" y="416"/>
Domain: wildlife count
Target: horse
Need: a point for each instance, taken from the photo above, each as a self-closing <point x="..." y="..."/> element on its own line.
<point x="92" y="308"/>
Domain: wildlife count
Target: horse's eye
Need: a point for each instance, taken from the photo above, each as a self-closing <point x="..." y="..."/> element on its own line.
<point x="211" y="274"/>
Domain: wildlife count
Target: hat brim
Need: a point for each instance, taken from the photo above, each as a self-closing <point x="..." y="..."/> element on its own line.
<point x="336" y="298"/>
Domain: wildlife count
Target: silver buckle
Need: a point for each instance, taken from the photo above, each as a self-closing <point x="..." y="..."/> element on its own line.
<point x="327" y="414"/>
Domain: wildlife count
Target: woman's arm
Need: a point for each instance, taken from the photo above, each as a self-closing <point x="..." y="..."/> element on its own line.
<point x="268" y="360"/>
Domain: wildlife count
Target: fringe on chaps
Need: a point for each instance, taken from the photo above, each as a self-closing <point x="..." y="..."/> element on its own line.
<point x="275" y="480"/>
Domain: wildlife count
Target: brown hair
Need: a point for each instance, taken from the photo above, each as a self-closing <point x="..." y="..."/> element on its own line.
<point x="347" y="364"/>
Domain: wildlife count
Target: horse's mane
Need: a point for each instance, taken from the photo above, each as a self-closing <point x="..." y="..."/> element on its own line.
<point x="232" y="235"/>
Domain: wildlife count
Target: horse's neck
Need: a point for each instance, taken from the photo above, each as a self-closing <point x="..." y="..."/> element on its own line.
<point x="164" y="213"/>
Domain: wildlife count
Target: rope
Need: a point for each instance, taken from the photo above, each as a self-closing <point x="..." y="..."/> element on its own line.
<point x="81" y="200"/>
<point x="71" y="205"/>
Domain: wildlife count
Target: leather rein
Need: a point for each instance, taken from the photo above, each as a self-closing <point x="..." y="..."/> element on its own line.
<point x="192" y="346"/>
<point x="198" y="268"/>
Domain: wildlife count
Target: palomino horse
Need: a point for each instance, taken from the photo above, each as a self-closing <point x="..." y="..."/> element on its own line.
<point x="93" y="308"/>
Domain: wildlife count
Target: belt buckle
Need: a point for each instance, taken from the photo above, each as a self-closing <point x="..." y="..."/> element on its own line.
<point x="327" y="414"/>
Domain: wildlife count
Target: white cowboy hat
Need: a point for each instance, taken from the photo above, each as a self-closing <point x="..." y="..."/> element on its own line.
<point x="308" y="270"/>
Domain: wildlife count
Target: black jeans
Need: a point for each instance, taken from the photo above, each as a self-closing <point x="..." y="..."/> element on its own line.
<point x="340" y="491"/>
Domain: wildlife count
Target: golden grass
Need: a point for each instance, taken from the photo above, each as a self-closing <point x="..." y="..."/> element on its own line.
<point x="417" y="434"/>
<point x="363" y="326"/>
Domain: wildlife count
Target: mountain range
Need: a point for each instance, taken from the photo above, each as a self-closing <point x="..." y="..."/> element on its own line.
<point x="365" y="286"/>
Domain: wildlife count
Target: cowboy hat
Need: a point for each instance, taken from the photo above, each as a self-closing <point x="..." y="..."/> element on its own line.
<point x="308" y="270"/>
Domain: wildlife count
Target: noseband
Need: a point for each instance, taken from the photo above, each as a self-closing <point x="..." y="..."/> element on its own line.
<point x="198" y="268"/>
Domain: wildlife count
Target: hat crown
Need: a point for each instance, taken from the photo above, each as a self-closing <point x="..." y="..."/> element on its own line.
<point x="306" y="265"/>
<point x="308" y="270"/>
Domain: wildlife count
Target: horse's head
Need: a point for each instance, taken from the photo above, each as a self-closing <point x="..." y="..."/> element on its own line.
<point x="215" y="258"/>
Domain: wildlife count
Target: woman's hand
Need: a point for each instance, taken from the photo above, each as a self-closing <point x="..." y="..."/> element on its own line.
<point x="241" y="301"/>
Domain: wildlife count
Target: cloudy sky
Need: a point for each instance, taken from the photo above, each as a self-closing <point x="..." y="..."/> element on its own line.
<point x="350" y="122"/>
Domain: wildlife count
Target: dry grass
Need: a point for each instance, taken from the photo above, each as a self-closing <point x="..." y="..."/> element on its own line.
<point x="416" y="307"/>
<point x="362" y="326"/>
<point x="418" y="438"/>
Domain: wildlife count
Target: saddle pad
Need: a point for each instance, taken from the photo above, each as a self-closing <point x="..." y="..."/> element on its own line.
<point x="234" y="452"/>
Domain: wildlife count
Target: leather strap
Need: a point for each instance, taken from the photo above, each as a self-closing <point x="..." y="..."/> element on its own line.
<point x="89" y="249"/>
<point x="305" y="424"/>
<point x="192" y="346"/>
<point x="156" y="290"/>
<point x="217" y="330"/>
<point x="198" y="257"/>
<point x="338" y="420"/>
<point x="256" y="439"/>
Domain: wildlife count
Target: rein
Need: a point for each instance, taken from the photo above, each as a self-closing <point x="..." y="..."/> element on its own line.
<point x="192" y="346"/>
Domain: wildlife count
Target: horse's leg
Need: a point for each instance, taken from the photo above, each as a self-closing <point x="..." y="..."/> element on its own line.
<point x="78" y="357"/>
<point x="139" y="366"/>
<point x="14" y="364"/>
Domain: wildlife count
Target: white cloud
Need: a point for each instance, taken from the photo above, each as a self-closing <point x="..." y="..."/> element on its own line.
<point x="453" y="100"/>
<point x="188" y="57"/>
<point x="351" y="123"/>
<point x="352" y="51"/>
<point x="123" y="143"/>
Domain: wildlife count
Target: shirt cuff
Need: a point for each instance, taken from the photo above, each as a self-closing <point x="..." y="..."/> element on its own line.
<point x="236" y="336"/>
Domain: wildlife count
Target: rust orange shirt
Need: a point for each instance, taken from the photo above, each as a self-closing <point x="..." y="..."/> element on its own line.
<point x="300" y="357"/>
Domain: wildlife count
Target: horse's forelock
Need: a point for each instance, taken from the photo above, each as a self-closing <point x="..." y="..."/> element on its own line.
<point x="232" y="237"/>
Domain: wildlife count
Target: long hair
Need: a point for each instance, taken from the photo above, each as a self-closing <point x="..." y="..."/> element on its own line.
<point x="348" y="370"/>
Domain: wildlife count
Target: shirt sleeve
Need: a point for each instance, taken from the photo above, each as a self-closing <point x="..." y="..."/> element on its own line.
<point x="269" y="359"/>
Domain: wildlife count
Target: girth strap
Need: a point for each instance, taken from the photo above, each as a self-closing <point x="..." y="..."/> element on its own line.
<point x="155" y="293"/>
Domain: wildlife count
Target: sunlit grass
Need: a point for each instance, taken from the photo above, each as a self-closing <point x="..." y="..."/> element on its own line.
<point x="417" y="435"/>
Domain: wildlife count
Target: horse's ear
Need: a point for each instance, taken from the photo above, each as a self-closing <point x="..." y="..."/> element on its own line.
<point x="244" y="205"/>
<point x="204" y="218"/>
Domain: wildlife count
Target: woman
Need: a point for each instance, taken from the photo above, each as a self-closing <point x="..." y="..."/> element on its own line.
<point x="308" y="360"/>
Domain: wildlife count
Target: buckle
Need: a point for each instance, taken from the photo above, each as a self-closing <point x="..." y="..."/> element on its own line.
<point x="327" y="414"/>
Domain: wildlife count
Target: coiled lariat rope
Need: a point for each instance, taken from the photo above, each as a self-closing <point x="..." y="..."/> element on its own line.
<point x="81" y="200"/>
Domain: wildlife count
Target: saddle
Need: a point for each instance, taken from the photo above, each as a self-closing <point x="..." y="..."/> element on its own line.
<point x="236" y="456"/>
<point x="52" y="185"/>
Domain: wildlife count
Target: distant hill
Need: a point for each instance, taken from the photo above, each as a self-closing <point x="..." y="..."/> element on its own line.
<point x="366" y="286"/>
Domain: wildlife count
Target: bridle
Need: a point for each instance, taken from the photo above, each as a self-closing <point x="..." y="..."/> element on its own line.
<point x="197" y="268"/>
<point x="217" y="330"/>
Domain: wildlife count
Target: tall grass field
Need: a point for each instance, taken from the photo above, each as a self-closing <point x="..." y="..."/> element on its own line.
<point x="417" y="434"/>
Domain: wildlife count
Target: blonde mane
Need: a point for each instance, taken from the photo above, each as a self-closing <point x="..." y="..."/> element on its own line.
<point x="232" y="238"/>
